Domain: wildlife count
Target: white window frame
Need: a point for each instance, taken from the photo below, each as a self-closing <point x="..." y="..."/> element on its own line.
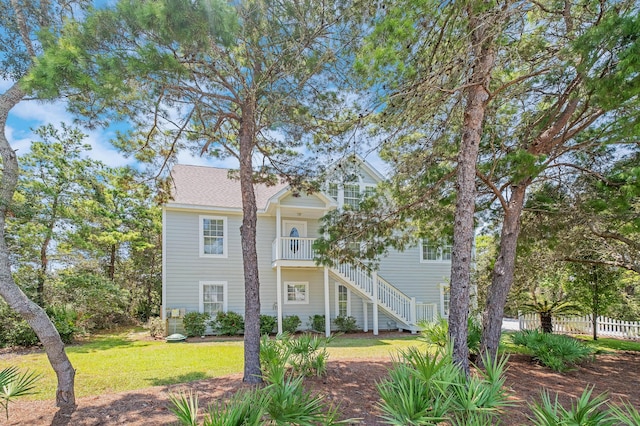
<point x="337" y="301"/>
<point x="444" y="289"/>
<point x="225" y="236"/>
<point x="438" y="258"/>
<point x="296" y="302"/>
<point x="225" y="294"/>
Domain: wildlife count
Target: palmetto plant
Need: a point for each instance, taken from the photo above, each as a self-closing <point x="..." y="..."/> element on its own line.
<point x="14" y="384"/>
<point x="548" y="309"/>
<point x="586" y="411"/>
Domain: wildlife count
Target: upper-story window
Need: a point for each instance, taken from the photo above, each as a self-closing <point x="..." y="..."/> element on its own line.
<point x="352" y="195"/>
<point x="435" y="252"/>
<point x="213" y="236"/>
<point x="332" y="190"/>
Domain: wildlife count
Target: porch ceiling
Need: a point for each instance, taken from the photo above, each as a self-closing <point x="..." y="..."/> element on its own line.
<point x="302" y="212"/>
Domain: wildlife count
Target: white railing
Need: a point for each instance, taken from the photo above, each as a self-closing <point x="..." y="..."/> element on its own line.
<point x="396" y="301"/>
<point x="292" y="248"/>
<point x="426" y="312"/>
<point x="389" y="297"/>
<point x="357" y="276"/>
<point x="583" y="325"/>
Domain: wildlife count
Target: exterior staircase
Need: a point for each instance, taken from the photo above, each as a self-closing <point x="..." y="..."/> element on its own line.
<point x="393" y="302"/>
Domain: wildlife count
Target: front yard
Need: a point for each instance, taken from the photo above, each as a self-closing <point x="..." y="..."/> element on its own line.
<point x="123" y="379"/>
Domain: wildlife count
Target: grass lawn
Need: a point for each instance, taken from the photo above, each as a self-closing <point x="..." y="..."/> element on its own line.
<point x="117" y="362"/>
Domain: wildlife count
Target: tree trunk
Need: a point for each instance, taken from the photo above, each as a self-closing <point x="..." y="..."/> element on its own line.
<point x="502" y="275"/>
<point x="15" y="298"/>
<point x="112" y="262"/>
<point x="477" y="97"/>
<point x="252" y="372"/>
<point x="546" y="322"/>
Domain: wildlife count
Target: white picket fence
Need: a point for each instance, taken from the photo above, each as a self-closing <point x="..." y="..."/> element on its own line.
<point x="606" y="327"/>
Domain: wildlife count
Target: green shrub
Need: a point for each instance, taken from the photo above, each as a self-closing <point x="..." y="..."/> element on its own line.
<point x="20" y="333"/>
<point x="346" y="324"/>
<point x="156" y="326"/>
<point x="305" y="355"/>
<point x="426" y="388"/>
<point x="64" y="319"/>
<point x="227" y="323"/>
<point x="290" y="324"/>
<point x="558" y="352"/>
<point x="195" y="323"/>
<point x="267" y="324"/>
<point x="586" y="411"/>
<point x="437" y="334"/>
<point x="316" y="323"/>
<point x="99" y="302"/>
<point x="284" y="401"/>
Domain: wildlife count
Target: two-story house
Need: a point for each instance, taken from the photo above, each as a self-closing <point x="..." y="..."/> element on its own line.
<point x="202" y="258"/>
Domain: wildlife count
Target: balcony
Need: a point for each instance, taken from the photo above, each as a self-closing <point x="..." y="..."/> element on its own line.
<point x="293" y="251"/>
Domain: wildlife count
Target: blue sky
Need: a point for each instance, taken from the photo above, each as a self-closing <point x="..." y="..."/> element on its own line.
<point x="30" y="114"/>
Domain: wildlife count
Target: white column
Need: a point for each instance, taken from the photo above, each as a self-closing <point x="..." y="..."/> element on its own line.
<point x="279" y="296"/>
<point x="365" y="312"/>
<point x="278" y="233"/>
<point x="374" y="275"/>
<point x="327" y="304"/>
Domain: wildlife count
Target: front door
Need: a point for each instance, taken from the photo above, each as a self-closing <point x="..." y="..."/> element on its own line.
<point x="294" y="245"/>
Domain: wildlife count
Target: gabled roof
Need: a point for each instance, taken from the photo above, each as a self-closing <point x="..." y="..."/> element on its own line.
<point x="211" y="186"/>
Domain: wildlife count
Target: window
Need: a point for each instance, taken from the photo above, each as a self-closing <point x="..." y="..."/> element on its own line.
<point x="213" y="233"/>
<point x="332" y="190"/>
<point x="435" y="253"/>
<point x="297" y="292"/>
<point x="445" y="299"/>
<point x="352" y="196"/>
<point x="213" y="297"/>
<point x="343" y="299"/>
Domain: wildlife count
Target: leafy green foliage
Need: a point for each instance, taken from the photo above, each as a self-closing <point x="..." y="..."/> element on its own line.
<point x="558" y="352"/>
<point x="13" y="384"/>
<point x="283" y="401"/>
<point x="437" y="333"/>
<point x="14" y="331"/>
<point x="99" y="302"/>
<point x="317" y="323"/>
<point x="227" y="323"/>
<point x="586" y="411"/>
<point x="290" y="324"/>
<point x="267" y="324"/>
<point x="547" y="309"/>
<point x="345" y="324"/>
<point x="64" y="319"/>
<point x="194" y="323"/>
<point x="427" y="389"/>
<point x="304" y="355"/>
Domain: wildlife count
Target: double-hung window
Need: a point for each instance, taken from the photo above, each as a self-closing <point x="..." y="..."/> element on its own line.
<point x="352" y="195"/>
<point x="435" y="253"/>
<point x="445" y="299"/>
<point x="343" y="307"/>
<point x="213" y="297"/>
<point x="297" y="293"/>
<point x="213" y="236"/>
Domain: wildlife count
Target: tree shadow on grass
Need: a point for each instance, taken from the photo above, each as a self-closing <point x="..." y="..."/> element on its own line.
<point x="104" y="343"/>
<point x="181" y="378"/>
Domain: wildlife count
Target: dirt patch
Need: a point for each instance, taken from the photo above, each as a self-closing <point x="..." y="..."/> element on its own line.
<point x="350" y="383"/>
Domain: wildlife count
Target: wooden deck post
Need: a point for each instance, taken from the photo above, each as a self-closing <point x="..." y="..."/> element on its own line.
<point x="365" y="312"/>
<point x="279" y="296"/>
<point x="374" y="298"/>
<point x="327" y="305"/>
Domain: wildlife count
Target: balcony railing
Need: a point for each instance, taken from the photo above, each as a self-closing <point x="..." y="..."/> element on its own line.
<point x="293" y="248"/>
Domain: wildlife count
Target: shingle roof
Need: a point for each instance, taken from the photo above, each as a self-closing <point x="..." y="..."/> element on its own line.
<point x="210" y="186"/>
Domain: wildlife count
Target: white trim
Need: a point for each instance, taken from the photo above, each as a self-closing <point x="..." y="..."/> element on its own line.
<point x="442" y="292"/>
<point x="163" y="303"/>
<point x="296" y="302"/>
<point x="225" y="237"/>
<point x="225" y="294"/>
<point x="337" y="300"/>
